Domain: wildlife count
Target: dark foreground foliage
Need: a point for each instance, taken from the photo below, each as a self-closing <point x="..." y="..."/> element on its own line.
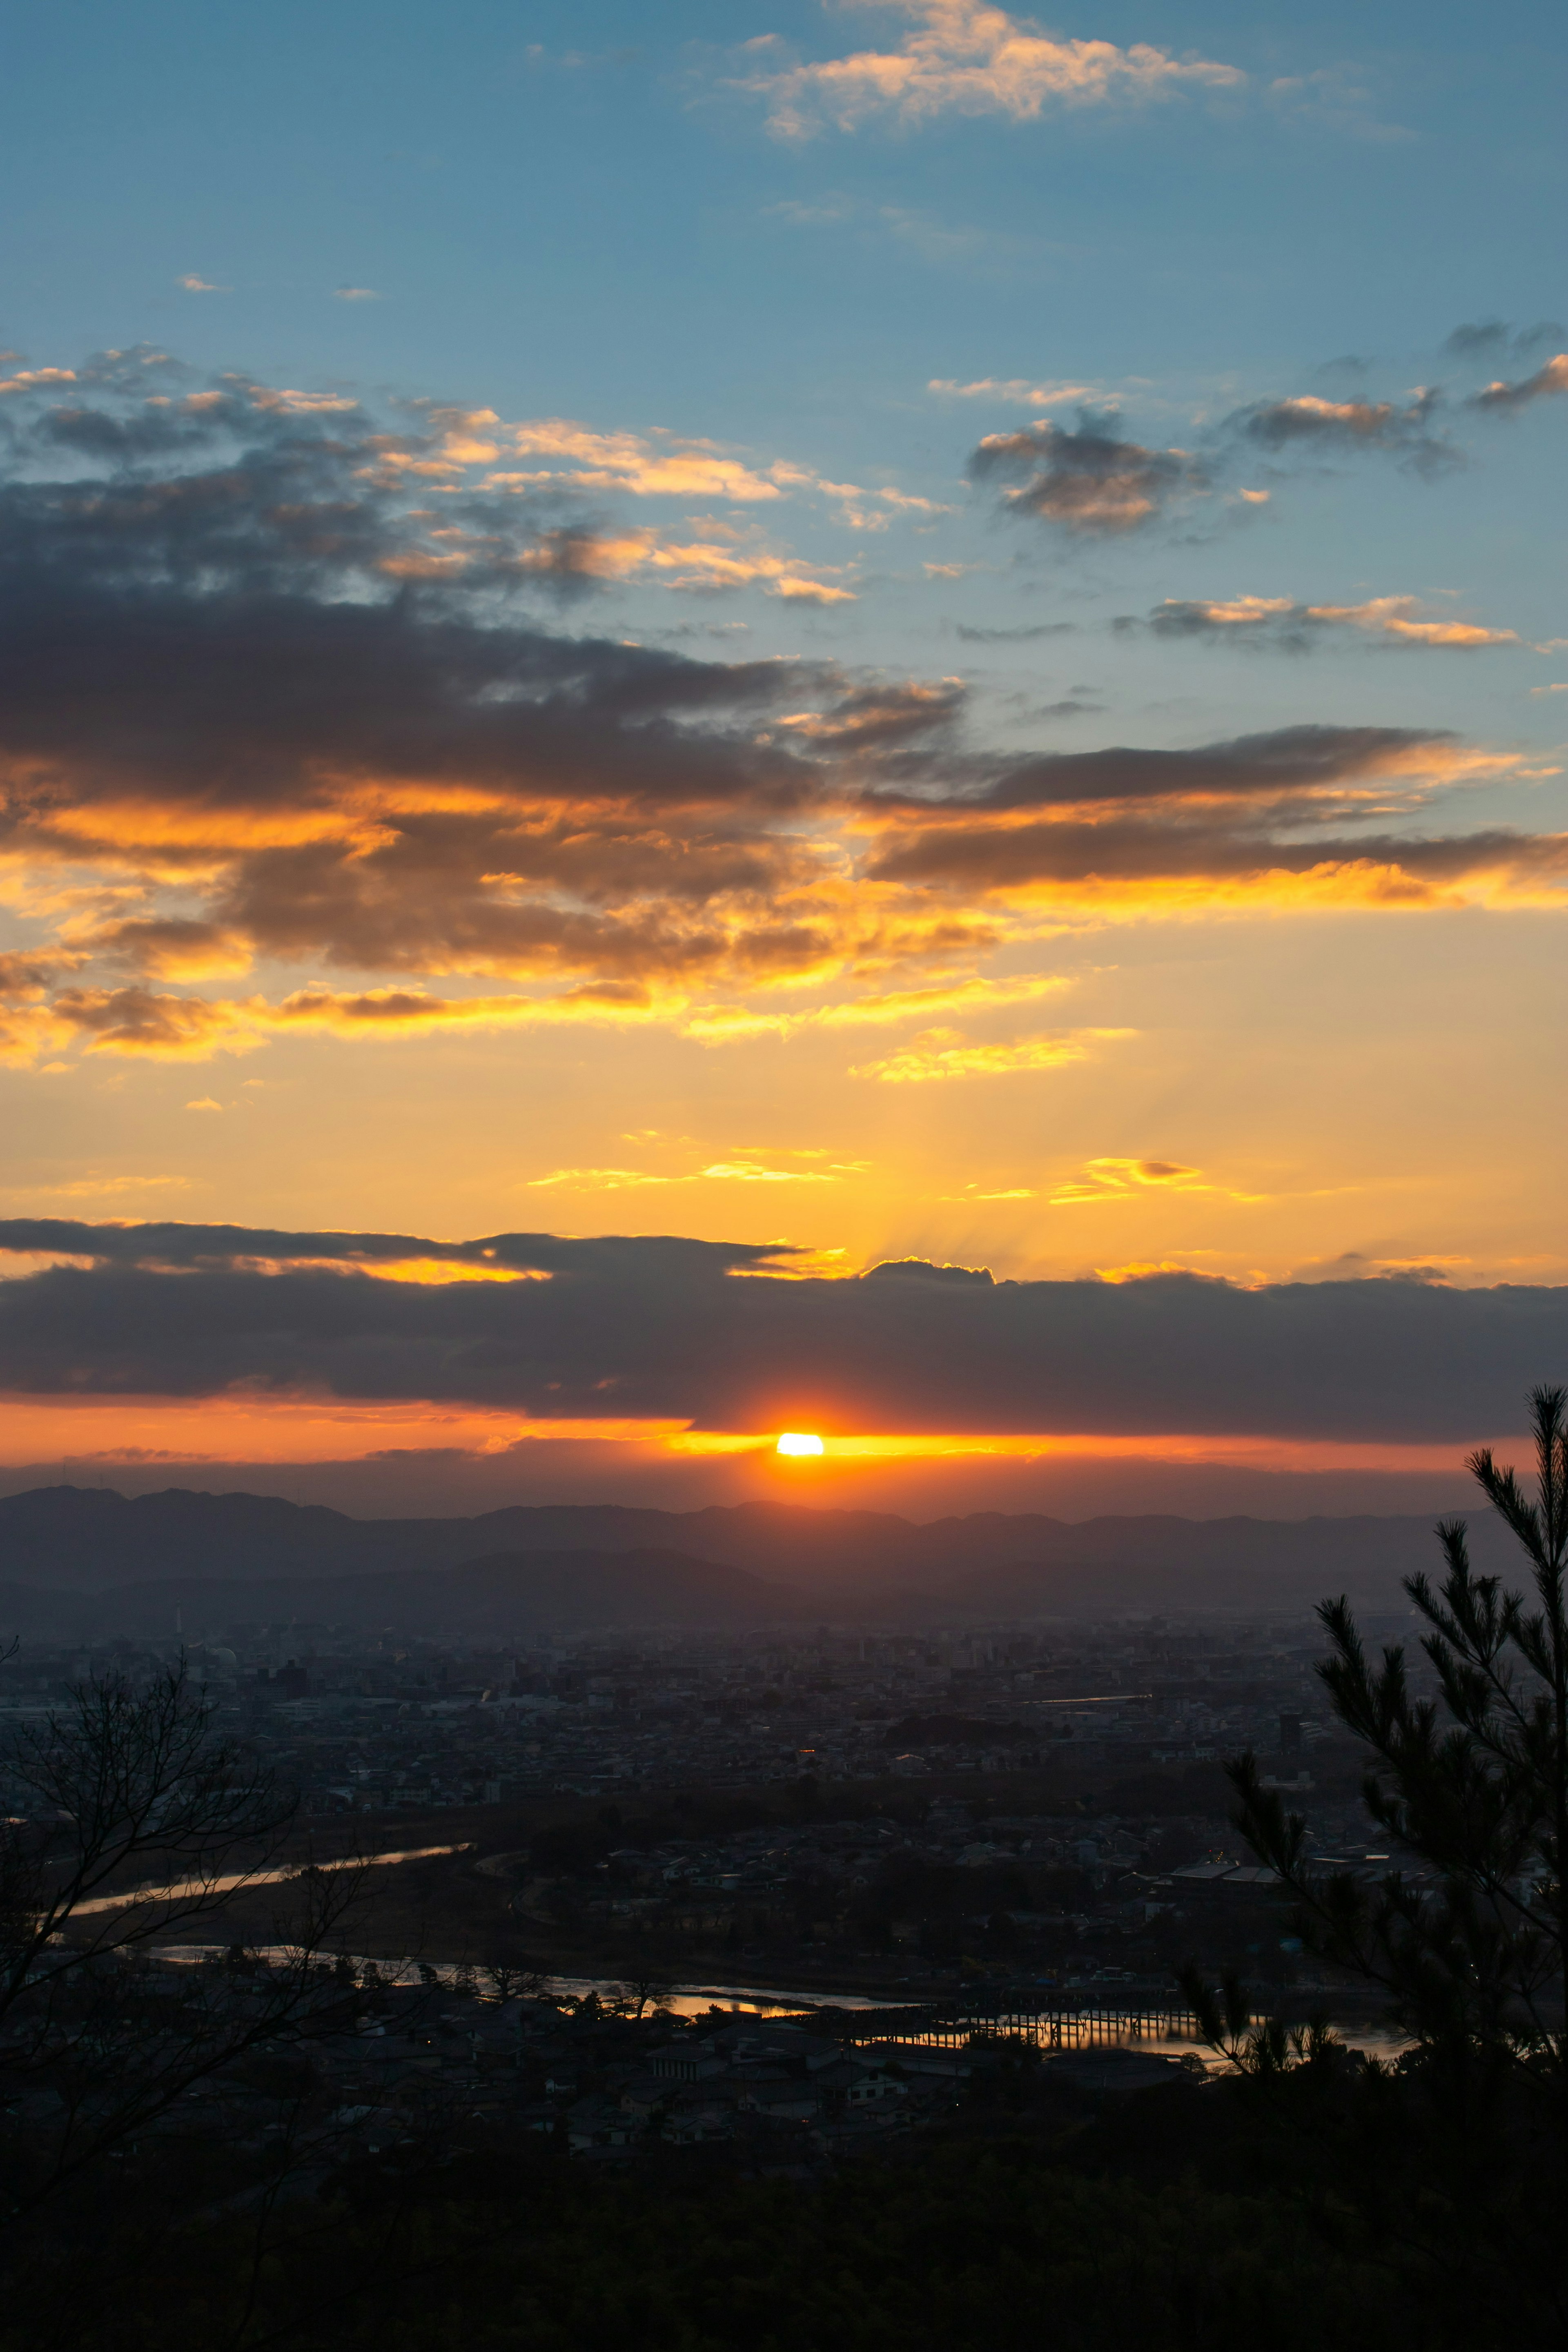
<point x="1297" y="2213"/>
<point x="968" y="2249"/>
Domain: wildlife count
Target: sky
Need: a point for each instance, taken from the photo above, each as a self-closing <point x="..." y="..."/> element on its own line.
<point x="660" y="658"/>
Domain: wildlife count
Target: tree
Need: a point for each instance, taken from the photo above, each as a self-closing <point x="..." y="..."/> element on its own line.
<point x="98" y="2047"/>
<point x="1472" y="1786"/>
<point x="510" y="1979"/>
<point x="1468" y="1933"/>
<point x="643" y="1994"/>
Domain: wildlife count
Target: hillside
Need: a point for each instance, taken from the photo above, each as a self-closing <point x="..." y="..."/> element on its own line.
<point x="88" y="1537"/>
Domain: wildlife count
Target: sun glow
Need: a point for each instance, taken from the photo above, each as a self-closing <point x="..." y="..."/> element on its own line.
<point x="795" y="1441"/>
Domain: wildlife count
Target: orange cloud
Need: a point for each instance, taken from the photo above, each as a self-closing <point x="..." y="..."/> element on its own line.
<point x="664" y="467"/>
<point x="944" y="1053"/>
<point x="1391" y="615"/>
<point x="701" y="564"/>
<point x="1282" y="620"/>
<point x="966" y="56"/>
<point x="1101" y="1182"/>
<point x="230" y="744"/>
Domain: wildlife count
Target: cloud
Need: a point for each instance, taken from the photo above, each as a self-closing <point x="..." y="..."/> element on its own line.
<point x="1283" y="623"/>
<point x="660" y="465"/>
<point x="720" y="1025"/>
<point x="251" y="669"/>
<point x="966" y="58"/>
<point x="702" y="565"/>
<point x="879" y="717"/>
<point x="134" y="1020"/>
<point x="1299" y="817"/>
<point x="355" y="294"/>
<point x="1101" y="1182"/>
<point x="37" y="379"/>
<point x="91" y="1188"/>
<point x="1310" y="424"/>
<point x="944" y="1053"/>
<point x="184" y="1311"/>
<point x="193" y="285"/>
<point x="1017" y="391"/>
<point x="1015" y="637"/>
<point x="1090" y="482"/>
<point x="1503" y="399"/>
<point x="719" y="1171"/>
<point x="277" y="696"/>
<point x="1483" y="337"/>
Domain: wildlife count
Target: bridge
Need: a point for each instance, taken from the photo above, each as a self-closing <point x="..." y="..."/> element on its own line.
<point x="1047" y="2028"/>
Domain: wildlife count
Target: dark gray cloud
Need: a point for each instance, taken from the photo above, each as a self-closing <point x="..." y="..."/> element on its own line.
<point x="633" y="1328"/>
<point x="1284" y="762"/>
<point x="1278" y="624"/>
<point x="185" y="1248"/>
<point x="1282" y="625"/>
<point x="881" y="718"/>
<point x="1399" y="868"/>
<point x="227" y="605"/>
<point x="1306" y="424"/>
<point x="1490" y="337"/>
<point x="1090" y="481"/>
<point x="1293" y="802"/>
<point x="1015" y="637"/>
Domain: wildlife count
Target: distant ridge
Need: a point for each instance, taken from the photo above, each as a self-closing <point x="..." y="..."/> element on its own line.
<point x="59" y="1539"/>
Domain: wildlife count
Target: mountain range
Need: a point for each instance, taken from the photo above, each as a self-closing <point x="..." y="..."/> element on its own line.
<point x="79" y="1558"/>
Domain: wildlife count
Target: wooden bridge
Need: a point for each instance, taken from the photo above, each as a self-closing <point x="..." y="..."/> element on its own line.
<point x="1048" y="2028"/>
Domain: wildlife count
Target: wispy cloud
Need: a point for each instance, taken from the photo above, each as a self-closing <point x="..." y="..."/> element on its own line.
<point x="946" y="1053"/>
<point x="1104" y="1183"/>
<point x="966" y="58"/>
<point x="719" y="1171"/>
<point x="1489" y="338"/>
<point x="647" y="466"/>
<point x="355" y="294"/>
<point x="195" y="284"/>
<point x="1285" y="625"/>
<point x="1017" y="391"/>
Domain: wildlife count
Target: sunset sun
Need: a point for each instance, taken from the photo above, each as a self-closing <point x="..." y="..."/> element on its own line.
<point x="799" y="1443"/>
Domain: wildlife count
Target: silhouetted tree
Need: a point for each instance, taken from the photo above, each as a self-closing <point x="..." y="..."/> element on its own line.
<point x="1467" y="1933"/>
<point x="96" y="2048"/>
<point x="1473" y="1787"/>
